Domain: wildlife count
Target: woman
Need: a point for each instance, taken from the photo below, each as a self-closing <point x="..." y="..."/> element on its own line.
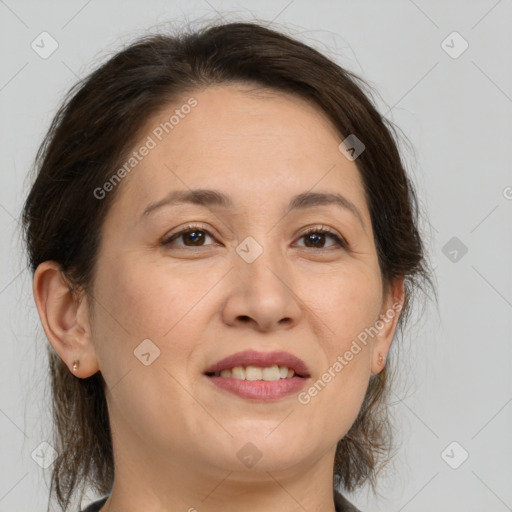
<point x="223" y="242"/>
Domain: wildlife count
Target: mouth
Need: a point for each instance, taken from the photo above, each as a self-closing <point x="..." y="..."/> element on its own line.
<point x="252" y="373"/>
<point x="253" y="365"/>
<point x="258" y="375"/>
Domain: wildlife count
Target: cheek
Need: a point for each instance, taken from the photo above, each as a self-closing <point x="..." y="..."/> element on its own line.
<point x="138" y="302"/>
<point x="347" y="308"/>
<point x="348" y="303"/>
<point x="148" y="301"/>
<point x="335" y="396"/>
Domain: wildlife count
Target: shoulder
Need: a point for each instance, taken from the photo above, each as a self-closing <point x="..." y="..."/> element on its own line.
<point x="342" y="504"/>
<point x="95" y="507"/>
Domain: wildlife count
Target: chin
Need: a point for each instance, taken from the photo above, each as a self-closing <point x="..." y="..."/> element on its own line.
<point x="254" y="452"/>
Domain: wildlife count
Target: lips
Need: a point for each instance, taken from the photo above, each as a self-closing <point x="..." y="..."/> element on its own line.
<point x="261" y="359"/>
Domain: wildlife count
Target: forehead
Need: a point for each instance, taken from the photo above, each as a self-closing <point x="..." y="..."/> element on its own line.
<point x="255" y="118"/>
<point x="252" y="142"/>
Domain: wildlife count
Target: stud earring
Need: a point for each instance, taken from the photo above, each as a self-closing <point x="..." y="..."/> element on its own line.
<point x="381" y="359"/>
<point x="76" y="364"/>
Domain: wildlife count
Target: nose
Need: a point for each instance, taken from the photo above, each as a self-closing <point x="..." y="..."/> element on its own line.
<point x="261" y="293"/>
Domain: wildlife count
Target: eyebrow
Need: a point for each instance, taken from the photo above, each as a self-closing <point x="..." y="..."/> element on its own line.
<point x="207" y="198"/>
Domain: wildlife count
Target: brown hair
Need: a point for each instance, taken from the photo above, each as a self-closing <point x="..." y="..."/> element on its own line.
<point x="92" y="133"/>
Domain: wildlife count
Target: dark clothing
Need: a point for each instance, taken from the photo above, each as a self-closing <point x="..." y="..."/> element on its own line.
<point x="341" y="503"/>
<point x="94" y="507"/>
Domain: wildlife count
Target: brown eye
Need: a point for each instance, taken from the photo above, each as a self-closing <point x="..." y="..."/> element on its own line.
<point x="191" y="237"/>
<point x="315" y="238"/>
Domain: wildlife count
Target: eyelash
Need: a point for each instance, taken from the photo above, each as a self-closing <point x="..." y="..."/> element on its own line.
<point x="315" y="229"/>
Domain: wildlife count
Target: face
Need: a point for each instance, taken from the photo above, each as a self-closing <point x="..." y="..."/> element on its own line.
<point x="186" y="285"/>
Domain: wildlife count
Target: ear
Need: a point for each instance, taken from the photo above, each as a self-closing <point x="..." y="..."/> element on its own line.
<point x="64" y="319"/>
<point x="392" y="305"/>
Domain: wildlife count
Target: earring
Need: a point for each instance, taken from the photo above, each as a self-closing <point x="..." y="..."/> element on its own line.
<point x="76" y="364"/>
<point x="381" y="359"/>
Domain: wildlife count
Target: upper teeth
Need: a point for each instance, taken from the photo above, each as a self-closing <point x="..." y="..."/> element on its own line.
<point x="269" y="373"/>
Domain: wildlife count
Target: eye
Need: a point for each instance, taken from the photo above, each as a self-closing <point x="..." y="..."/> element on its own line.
<point x="316" y="236"/>
<point x="193" y="233"/>
<point x="196" y="235"/>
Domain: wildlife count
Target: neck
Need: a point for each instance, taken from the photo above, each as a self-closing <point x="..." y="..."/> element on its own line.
<point x="146" y="482"/>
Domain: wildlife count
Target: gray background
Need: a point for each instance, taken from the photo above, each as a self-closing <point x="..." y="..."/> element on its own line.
<point x="456" y="360"/>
